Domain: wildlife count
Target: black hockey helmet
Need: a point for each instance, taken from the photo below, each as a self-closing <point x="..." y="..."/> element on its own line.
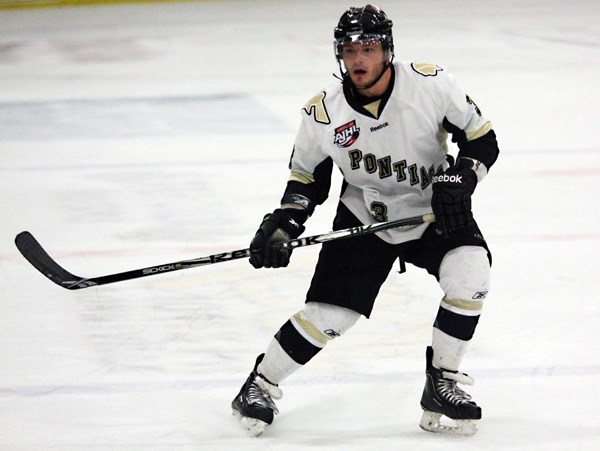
<point x="367" y="24"/>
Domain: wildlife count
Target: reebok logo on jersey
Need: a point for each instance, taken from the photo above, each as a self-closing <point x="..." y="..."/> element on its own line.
<point x="447" y="178"/>
<point x="346" y="135"/>
<point x="379" y="127"/>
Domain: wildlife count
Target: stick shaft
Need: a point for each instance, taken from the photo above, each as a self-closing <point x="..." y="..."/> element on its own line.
<point x="33" y="251"/>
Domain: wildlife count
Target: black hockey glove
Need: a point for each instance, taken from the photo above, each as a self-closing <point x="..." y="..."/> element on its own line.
<point x="277" y="227"/>
<point x="451" y="200"/>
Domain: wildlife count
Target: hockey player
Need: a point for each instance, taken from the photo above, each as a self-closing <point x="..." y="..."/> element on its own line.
<point x="385" y="126"/>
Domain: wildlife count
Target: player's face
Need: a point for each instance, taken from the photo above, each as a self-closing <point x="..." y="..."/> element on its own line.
<point x="364" y="62"/>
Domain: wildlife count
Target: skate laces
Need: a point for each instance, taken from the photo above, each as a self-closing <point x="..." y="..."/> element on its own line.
<point x="261" y="393"/>
<point x="447" y="388"/>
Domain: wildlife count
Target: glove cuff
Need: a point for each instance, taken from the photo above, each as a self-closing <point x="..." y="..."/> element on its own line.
<point x="477" y="166"/>
<point x="298" y="202"/>
<point x="290" y="220"/>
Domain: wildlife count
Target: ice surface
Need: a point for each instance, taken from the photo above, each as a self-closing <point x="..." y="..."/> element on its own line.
<point x="137" y="135"/>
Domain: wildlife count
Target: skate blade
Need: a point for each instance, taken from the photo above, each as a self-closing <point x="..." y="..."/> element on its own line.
<point x="254" y="427"/>
<point x="431" y="422"/>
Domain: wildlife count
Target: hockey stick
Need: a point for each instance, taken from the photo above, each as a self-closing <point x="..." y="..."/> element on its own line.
<point x="39" y="258"/>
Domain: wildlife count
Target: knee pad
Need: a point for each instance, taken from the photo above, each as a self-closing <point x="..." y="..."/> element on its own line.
<point x="465" y="278"/>
<point x="319" y="323"/>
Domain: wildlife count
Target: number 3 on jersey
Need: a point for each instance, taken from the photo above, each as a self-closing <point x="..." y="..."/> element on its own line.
<point x="380" y="211"/>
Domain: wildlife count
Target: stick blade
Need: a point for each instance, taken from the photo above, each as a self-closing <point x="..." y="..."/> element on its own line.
<point x="35" y="254"/>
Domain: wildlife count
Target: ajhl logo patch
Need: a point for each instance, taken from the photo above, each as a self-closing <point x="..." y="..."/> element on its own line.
<point x="346" y="135"/>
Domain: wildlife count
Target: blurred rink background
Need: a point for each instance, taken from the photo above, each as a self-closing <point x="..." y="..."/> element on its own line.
<point x="138" y="134"/>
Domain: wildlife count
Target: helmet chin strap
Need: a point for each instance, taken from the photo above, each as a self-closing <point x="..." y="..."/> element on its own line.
<point x="374" y="82"/>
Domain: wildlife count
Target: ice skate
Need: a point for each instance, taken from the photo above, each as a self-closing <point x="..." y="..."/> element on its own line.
<point x="254" y="403"/>
<point x="443" y="398"/>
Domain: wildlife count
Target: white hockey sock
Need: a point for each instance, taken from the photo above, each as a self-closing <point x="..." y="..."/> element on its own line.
<point x="277" y="364"/>
<point x="448" y="351"/>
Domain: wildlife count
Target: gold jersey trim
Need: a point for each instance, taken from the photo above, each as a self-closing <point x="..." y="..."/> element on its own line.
<point x="485" y="128"/>
<point x="302" y="177"/>
<point x="373" y="108"/>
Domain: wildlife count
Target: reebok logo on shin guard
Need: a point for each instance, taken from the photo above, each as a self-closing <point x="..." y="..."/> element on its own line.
<point x="331" y="333"/>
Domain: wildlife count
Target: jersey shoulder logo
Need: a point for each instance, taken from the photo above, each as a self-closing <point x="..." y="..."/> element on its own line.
<point x="346" y="135"/>
<point x="470" y="102"/>
<point x="316" y="107"/>
<point x="426" y="69"/>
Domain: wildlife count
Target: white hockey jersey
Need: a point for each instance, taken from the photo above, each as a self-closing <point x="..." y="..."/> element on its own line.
<point x="387" y="162"/>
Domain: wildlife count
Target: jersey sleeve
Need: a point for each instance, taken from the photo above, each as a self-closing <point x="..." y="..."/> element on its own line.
<point x="470" y="129"/>
<point x="310" y="167"/>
